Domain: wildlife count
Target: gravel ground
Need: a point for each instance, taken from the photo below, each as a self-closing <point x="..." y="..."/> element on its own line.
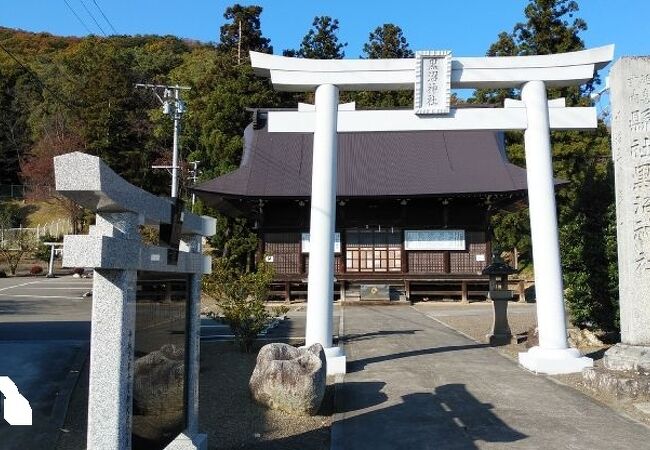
<point x="474" y="320"/>
<point x="227" y="413"/>
<point x="234" y="421"/>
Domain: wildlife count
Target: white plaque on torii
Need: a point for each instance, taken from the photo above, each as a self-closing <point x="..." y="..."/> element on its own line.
<point x="432" y="82"/>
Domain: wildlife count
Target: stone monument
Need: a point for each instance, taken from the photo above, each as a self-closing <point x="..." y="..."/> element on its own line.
<point x="630" y="102"/>
<point x="115" y="251"/>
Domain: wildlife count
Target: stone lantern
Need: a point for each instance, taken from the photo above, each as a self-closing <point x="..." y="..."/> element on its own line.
<point x="500" y="295"/>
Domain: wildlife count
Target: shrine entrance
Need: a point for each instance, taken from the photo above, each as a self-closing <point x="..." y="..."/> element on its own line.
<point x="432" y="75"/>
<point x="369" y="251"/>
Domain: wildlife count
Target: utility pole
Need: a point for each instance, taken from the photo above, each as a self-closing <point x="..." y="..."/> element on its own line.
<point x="174" y="107"/>
<point x="194" y="176"/>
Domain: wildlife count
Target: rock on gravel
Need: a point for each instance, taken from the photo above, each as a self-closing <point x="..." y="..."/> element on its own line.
<point x="290" y="379"/>
<point x="158" y="392"/>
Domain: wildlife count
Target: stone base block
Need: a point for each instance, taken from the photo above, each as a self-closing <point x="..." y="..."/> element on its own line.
<point x="628" y="357"/>
<point x="620" y="384"/>
<point x="336" y="360"/>
<point x="185" y="442"/>
<point x="554" y="361"/>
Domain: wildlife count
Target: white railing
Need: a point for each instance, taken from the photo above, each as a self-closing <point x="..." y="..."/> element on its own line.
<point x="56" y="229"/>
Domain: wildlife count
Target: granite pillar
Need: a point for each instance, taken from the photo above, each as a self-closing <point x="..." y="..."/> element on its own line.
<point x="110" y="398"/>
<point x="630" y="106"/>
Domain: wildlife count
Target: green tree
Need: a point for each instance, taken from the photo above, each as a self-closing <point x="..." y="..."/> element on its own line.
<point x="321" y="41"/>
<point x="222" y="91"/>
<point x="241" y="298"/>
<point x="550" y="27"/>
<point x="218" y="114"/>
<point x="581" y="159"/>
<point x="251" y="32"/>
<point x="386" y="41"/>
<point x="504" y="46"/>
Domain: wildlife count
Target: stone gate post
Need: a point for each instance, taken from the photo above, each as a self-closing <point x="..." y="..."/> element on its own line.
<point x="114" y="250"/>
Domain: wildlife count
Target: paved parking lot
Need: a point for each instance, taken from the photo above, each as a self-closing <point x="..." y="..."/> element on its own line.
<point x="44" y="299"/>
<point x="44" y="334"/>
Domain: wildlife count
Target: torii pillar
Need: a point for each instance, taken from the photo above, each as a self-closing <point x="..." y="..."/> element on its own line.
<point x="434" y="74"/>
<point x="320" y="288"/>
<point x="553" y="354"/>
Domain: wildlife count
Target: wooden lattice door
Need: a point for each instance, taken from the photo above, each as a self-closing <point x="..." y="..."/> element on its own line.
<point x="373" y="251"/>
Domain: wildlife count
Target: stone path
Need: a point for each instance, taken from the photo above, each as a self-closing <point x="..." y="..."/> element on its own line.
<point x="413" y="383"/>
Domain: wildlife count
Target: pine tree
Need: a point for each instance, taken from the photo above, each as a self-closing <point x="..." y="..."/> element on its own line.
<point x="251" y="33"/>
<point x="387" y="41"/>
<point x="321" y="41"/>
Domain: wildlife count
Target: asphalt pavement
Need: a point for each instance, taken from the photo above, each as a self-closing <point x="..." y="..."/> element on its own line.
<point x="44" y="335"/>
<point x="413" y="383"/>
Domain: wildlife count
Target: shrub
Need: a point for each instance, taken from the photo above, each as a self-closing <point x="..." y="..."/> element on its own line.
<point x="16" y="246"/>
<point x="241" y="297"/>
<point x="35" y="270"/>
<point x="3" y="274"/>
<point x="280" y="310"/>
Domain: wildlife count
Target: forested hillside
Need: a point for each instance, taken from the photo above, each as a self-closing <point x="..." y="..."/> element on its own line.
<point x="59" y="94"/>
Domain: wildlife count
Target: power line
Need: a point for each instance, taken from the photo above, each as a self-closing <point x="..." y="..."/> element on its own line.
<point x="37" y="78"/>
<point x="78" y="18"/>
<point x="92" y="17"/>
<point x="105" y="18"/>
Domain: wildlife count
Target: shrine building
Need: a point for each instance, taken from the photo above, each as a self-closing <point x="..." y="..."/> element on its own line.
<point x="412" y="214"/>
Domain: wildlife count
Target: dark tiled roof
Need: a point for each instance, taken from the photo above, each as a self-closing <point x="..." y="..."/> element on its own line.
<point x="384" y="164"/>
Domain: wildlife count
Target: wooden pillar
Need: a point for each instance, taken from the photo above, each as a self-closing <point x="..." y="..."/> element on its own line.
<point x="404" y="254"/>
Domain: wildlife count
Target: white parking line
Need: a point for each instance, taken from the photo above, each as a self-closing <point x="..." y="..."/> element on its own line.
<point x="18" y="285"/>
<point x="41" y="296"/>
<point x="59" y="288"/>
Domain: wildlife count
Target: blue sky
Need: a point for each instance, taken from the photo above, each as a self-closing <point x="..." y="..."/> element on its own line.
<point x="467" y="27"/>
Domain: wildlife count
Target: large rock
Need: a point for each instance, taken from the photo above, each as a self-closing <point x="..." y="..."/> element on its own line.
<point x="158" y="393"/>
<point x="290" y="379"/>
<point x="159" y="381"/>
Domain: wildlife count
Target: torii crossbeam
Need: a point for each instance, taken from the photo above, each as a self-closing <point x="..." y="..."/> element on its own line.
<point x="433" y="75"/>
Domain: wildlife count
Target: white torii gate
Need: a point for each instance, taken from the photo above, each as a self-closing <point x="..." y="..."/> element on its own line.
<point x="434" y="74"/>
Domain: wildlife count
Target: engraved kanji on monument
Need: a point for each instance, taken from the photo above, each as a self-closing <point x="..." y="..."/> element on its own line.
<point x="630" y="101"/>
